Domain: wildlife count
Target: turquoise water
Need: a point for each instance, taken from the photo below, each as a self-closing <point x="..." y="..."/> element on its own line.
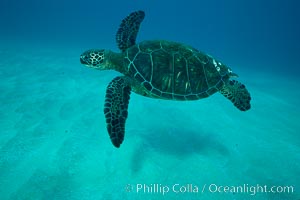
<point x="54" y="143"/>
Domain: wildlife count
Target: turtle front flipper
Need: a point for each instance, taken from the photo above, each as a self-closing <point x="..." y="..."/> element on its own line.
<point x="128" y="30"/>
<point x="115" y="109"/>
<point x="237" y="93"/>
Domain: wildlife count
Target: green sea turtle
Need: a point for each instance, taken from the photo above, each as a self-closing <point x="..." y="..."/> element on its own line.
<point x="158" y="69"/>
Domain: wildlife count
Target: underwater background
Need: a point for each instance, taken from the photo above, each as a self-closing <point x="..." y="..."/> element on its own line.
<point x="53" y="139"/>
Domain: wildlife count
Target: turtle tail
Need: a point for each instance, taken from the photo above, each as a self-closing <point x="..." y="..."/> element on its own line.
<point x="237" y="93"/>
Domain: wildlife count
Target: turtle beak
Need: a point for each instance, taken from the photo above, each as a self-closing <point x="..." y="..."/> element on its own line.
<point x="82" y="60"/>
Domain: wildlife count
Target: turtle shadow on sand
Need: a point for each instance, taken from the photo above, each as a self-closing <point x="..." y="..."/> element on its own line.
<point x="178" y="142"/>
<point x="184" y="142"/>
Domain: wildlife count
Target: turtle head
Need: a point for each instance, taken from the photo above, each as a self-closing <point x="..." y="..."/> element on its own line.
<point x="94" y="58"/>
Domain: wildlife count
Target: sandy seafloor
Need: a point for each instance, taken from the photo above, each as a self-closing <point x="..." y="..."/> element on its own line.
<point x="54" y="144"/>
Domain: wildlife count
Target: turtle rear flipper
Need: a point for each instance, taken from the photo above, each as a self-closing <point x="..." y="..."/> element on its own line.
<point x="129" y="29"/>
<point x="115" y="109"/>
<point x="237" y="93"/>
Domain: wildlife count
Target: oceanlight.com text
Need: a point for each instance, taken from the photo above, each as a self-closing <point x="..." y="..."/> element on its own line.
<point x="250" y="189"/>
